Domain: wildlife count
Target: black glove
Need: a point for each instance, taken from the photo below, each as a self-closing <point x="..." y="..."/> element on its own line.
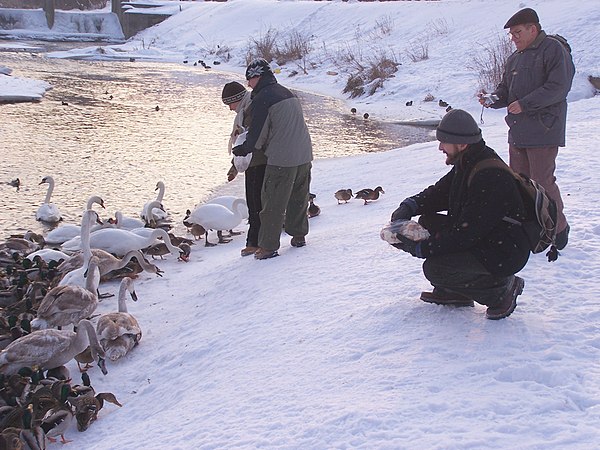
<point x="404" y="212"/>
<point x="408" y="245"/>
<point x="240" y="150"/>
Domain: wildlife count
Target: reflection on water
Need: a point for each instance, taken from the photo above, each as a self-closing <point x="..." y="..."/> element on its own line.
<point x="116" y="128"/>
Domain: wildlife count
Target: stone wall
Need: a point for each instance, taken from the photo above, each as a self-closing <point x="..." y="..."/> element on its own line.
<point x="59" y="4"/>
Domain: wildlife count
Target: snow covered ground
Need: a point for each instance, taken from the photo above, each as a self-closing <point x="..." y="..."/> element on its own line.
<point x="328" y="346"/>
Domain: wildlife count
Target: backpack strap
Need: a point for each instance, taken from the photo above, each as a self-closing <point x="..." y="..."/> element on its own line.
<point x="488" y="164"/>
<point x="497" y="164"/>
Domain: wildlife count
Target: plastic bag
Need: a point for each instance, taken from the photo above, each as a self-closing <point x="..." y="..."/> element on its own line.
<point x="241" y="163"/>
<point x="408" y="228"/>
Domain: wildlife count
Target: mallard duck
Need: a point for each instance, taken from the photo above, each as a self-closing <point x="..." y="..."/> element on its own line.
<point x="57" y="421"/>
<point x="119" y="332"/>
<point x="161" y="249"/>
<point x="48" y="212"/>
<point x="369" y="194"/>
<point x="88" y="407"/>
<point x="313" y="210"/>
<point x="217" y="217"/>
<point x="343" y="195"/>
<point x="68" y="304"/>
<point x="50" y="348"/>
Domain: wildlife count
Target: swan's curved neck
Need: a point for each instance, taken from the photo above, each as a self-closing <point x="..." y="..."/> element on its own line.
<point x="50" y="182"/>
<point x="161" y="191"/>
<point x="128" y="257"/>
<point x="86" y="226"/>
<point x="166" y="239"/>
<point x="86" y="330"/>
<point x="123" y="288"/>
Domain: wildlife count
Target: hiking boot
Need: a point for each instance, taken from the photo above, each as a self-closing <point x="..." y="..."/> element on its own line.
<point x="298" y="241"/>
<point x="441" y="297"/>
<point x="562" y="238"/>
<point x="508" y="302"/>
<point x="263" y="253"/>
<point x="247" y="251"/>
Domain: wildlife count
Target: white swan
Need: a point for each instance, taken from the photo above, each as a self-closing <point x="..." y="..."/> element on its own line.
<point x="119" y="332"/>
<point x="48" y="212"/>
<point x="217" y="217"/>
<point x="50" y="348"/>
<point x="128" y="223"/>
<point x="227" y="201"/>
<point x="64" y="305"/>
<point x="109" y="263"/>
<point x="82" y="275"/>
<point x="152" y="213"/>
<point x="120" y="242"/>
<point x="68" y="231"/>
<point x="49" y="254"/>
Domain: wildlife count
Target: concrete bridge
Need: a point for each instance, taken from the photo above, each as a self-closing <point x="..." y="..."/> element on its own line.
<point x="130" y="14"/>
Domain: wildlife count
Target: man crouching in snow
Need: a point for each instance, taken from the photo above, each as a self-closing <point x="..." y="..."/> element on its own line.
<point x="472" y="254"/>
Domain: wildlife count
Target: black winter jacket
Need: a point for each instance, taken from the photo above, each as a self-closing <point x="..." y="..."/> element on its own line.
<point x="475" y="214"/>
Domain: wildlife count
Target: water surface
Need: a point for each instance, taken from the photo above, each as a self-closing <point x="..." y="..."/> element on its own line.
<point x="116" y="128"/>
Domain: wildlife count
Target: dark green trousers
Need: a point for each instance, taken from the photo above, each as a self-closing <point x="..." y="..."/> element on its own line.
<point x="284" y="200"/>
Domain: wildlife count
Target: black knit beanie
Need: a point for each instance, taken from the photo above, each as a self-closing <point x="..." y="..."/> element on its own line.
<point x="233" y="92"/>
<point x="522" y="17"/>
<point x="458" y="127"/>
<point x="258" y="67"/>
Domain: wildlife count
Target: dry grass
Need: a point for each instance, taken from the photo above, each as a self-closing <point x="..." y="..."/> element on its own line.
<point x="489" y="62"/>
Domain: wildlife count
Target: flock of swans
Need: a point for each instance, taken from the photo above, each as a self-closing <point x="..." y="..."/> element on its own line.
<point x="49" y="287"/>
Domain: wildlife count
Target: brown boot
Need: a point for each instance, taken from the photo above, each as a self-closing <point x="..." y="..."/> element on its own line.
<point x="441" y="297"/>
<point x="263" y="253"/>
<point x="508" y="302"/>
<point x="247" y="251"/>
<point x="298" y="241"/>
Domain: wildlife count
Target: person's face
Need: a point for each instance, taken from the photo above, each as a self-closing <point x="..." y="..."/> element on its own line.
<point x="523" y="35"/>
<point x="252" y="82"/>
<point x="452" y="152"/>
<point x="233" y="106"/>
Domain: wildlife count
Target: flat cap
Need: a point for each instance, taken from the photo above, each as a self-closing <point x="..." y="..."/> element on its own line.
<point x="522" y="17"/>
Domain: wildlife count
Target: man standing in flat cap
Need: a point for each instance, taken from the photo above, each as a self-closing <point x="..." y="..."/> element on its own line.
<point x="277" y="126"/>
<point x="537" y="78"/>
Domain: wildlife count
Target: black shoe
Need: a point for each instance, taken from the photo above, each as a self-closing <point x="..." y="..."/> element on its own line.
<point x="508" y="302"/>
<point x="441" y="297"/>
<point x="298" y="241"/>
<point x="562" y="238"/>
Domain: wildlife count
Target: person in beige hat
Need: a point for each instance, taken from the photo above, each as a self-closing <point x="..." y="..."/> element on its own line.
<point x="472" y="253"/>
<point x="238" y="98"/>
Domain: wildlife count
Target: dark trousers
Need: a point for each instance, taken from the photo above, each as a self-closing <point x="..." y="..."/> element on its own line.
<point x="284" y="200"/>
<point x="254" y="177"/>
<point x="462" y="273"/>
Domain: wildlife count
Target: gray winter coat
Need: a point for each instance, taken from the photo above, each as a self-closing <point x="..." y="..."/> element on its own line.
<point x="540" y="78"/>
<point x="277" y="125"/>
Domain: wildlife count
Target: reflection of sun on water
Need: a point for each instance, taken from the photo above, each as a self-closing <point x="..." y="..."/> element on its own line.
<point x="126" y="126"/>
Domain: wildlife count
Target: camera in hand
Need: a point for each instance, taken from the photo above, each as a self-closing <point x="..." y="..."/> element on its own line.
<point x="489" y="98"/>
